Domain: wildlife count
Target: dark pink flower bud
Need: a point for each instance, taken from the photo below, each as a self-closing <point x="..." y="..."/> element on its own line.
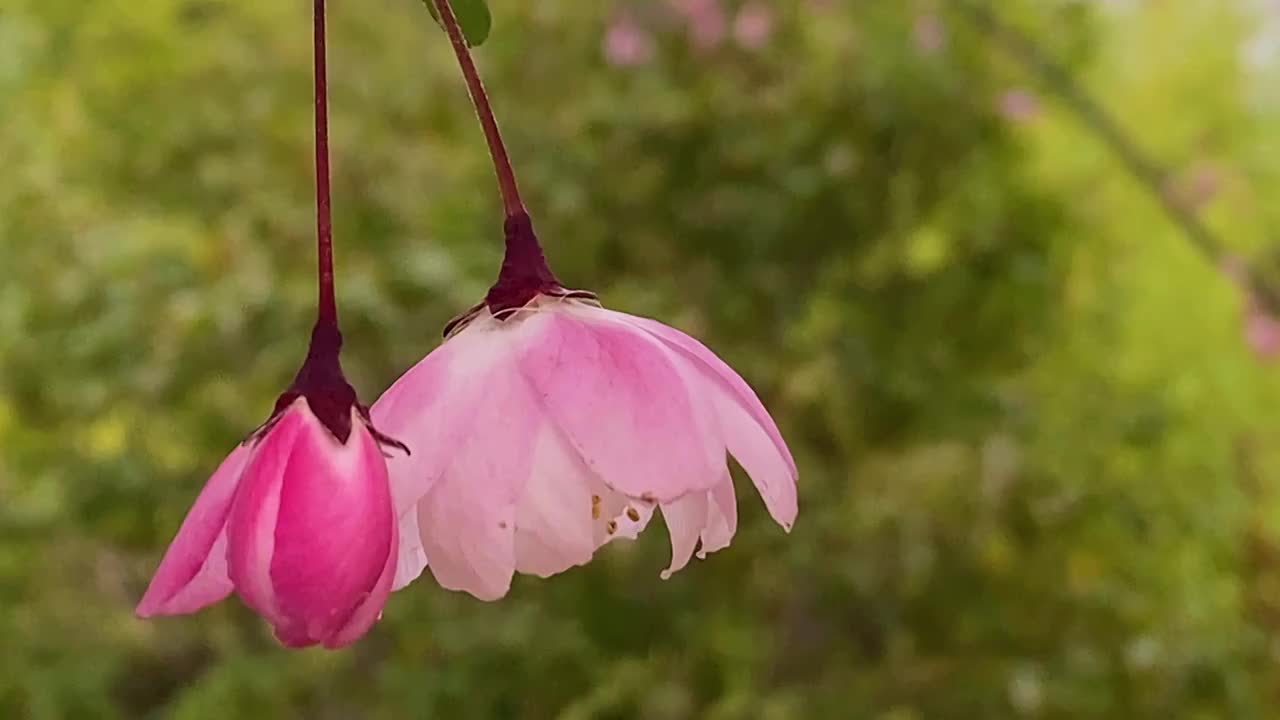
<point x="299" y="524"/>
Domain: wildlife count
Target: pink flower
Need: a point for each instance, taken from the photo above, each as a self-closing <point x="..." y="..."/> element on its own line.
<point x="1018" y="106"/>
<point x="706" y="21"/>
<point x="930" y="34"/>
<point x="1261" y="328"/>
<point x="1262" y="333"/>
<point x="546" y="426"/>
<point x="627" y="44"/>
<point x="298" y="519"/>
<point x="753" y="26"/>
<point x="540" y="435"/>
<point x="299" y="524"/>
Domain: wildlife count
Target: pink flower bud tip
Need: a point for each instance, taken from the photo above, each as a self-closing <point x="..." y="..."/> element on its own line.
<point x="543" y="432"/>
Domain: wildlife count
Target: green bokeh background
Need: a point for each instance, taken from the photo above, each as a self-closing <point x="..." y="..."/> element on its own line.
<point x="1039" y="463"/>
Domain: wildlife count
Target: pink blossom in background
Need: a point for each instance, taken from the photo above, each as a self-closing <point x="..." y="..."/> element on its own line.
<point x="550" y="430"/>
<point x="1019" y="106"/>
<point x="753" y="26"/>
<point x="1262" y="333"/>
<point x="706" y="21"/>
<point x="1199" y="186"/>
<point x="930" y="34"/>
<point x="1236" y="270"/>
<point x="545" y="426"/>
<point x="627" y="43"/>
<point x="299" y="524"/>
<point x="1261" y="328"/>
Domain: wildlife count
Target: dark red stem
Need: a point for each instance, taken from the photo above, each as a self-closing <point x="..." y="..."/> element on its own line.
<point x="501" y="163"/>
<point x="327" y="309"/>
<point x="524" y="274"/>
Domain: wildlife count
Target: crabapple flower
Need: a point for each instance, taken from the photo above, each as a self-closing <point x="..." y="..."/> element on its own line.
<point x="298" y="519"/>
<point x="546" y="426"/>
<point x="299" y="524"/>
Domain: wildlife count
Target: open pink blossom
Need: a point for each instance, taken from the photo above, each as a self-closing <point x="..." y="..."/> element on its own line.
<point x="545" y="427"/>
<point x="299" y="524"/>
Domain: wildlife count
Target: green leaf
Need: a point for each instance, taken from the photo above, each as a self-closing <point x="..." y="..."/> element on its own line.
<point x="473" y="17"/>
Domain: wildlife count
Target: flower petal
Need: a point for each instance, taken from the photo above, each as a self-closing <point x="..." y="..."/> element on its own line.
<point x="749" y="432"/>
<point x="554" y="516"/>
<point x="431" y="409"/>
<point x="469" y="538"/>
<point x="251" y="525"/>
<point x="718" y="370"/>
<point x="334" y="530"/>
<point x="434" y="408"/>
<point x="193" y="573"/>
<point x="621" y="403"/>
<point x="412" y="558"/>
<point x="769" y="470"/>
<point x="722" y="518"/>
<point x="369" y="611"/>
<point x="685" y="518"/>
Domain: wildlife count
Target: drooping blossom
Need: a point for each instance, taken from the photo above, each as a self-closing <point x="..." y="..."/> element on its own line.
<point x="546" y="426"/>
<point x="753" y="25"/>
<point x="299" y="524"/>
<point x="298" y="519"/>
<point x="627" y="43"/>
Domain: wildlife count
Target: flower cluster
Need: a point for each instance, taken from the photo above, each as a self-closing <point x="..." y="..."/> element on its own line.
<point x="544" y="427"/>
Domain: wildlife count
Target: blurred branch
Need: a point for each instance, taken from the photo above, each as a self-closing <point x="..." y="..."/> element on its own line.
<point x="1096" y="119"/>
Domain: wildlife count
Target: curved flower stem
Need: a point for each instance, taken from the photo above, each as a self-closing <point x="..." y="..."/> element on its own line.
<point x="327" y="307"/>
<point x="511" y="201"/>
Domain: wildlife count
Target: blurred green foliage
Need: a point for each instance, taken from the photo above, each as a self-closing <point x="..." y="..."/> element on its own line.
<point x="1038" y="464"/>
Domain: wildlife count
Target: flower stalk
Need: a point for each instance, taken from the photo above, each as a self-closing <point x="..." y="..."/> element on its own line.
<point x="524" y="274"/>
<point x="511" y="201"/>
<point x="327" y="309"/>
